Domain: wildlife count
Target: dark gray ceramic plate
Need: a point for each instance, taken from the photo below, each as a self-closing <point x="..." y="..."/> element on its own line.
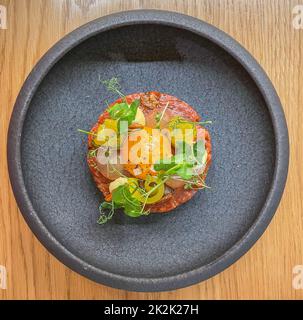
<point x="172" y="53"/>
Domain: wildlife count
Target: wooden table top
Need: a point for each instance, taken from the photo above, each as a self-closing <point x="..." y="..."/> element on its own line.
<point x="265" y="29"/>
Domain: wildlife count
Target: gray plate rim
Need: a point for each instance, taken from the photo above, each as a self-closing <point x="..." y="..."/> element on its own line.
<point x="202" y="29"/>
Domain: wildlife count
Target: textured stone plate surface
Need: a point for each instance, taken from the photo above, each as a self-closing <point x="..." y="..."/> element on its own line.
<point x="172" y="53"/>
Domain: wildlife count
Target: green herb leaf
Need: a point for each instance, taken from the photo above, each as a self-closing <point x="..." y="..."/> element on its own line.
<point x="123" y="198"/>
<point x="183" y="162"/>
<point x="130" y="116"/>
<point x="118" y="197"/>
<point x="118" y="110"/>
<point x="185" y="171"/>
<point x="161" y="166"/>
<point x="124" y="112"/>
<point x="134" y="106"/>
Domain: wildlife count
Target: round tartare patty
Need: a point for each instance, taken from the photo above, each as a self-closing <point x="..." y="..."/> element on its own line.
<point x="152" y="103"/>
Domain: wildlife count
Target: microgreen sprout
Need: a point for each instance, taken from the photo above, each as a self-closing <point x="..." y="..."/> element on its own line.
<point x="113" y="86"/>
<point x="87" y="132"/>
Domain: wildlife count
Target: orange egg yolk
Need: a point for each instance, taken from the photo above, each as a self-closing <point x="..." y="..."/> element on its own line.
<point x="143" y="149"/>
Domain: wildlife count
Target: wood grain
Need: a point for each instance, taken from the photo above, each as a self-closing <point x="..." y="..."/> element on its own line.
<point x="265" y="29"/>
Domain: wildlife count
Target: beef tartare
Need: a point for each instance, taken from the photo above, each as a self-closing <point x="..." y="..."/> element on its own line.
<point x="148" y="153"/>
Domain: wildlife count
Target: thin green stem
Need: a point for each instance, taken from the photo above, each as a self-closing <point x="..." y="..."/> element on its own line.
<point x="87" y="132"/>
